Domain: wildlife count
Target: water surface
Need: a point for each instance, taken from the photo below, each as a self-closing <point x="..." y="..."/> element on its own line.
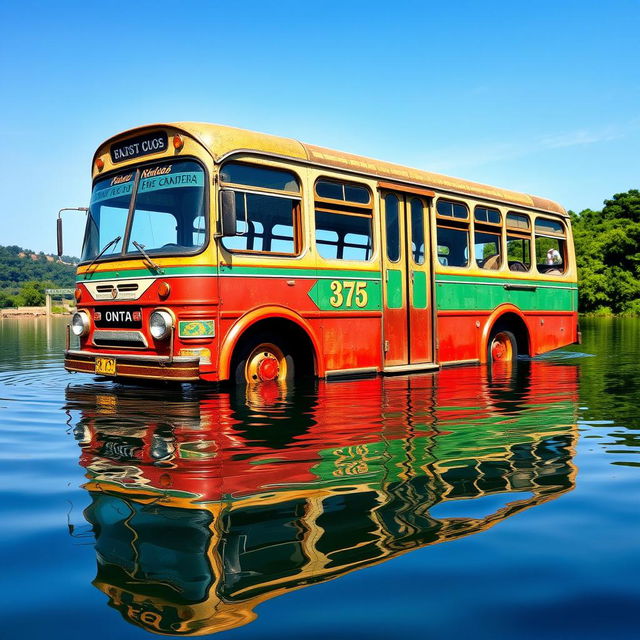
<point x="492" y="504"/>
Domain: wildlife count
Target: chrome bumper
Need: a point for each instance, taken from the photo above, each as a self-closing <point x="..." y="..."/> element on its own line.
<point x="177" y="368"/>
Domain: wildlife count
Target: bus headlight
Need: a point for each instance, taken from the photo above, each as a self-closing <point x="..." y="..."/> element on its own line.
<point x="80" y="323"/>
<point x="160" y="324"/>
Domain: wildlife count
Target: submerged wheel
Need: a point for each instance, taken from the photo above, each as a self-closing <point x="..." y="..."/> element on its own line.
<point x="502" y="347"/>
<point x="263" y="361"/>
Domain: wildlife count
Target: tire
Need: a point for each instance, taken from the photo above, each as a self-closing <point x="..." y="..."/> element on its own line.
<point x="262" y="359"/>
<point x="502" y="347"/>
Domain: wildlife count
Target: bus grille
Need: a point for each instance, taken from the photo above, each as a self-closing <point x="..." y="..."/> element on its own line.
<point x="122" y="339"/>
<point x="123" y="286"/>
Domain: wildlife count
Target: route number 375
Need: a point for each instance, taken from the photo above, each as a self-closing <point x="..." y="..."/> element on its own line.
<point x="348" y="292"/>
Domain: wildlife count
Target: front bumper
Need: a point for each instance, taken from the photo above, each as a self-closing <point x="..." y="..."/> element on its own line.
<point x="178" y="368"/>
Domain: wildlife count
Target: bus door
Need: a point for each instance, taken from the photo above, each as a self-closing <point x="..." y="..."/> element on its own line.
<point x="408" y="318"/>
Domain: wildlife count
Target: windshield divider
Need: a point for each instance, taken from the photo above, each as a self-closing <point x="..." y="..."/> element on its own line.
<point x="132" y="208"/>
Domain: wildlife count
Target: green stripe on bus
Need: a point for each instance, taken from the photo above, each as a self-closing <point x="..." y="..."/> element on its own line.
<point x="145" y="273"/>
<point x="284" y="272"/>
<point x="291" y="272"/>
<point x="482" y="297"/>
<point x="441" y="277"/>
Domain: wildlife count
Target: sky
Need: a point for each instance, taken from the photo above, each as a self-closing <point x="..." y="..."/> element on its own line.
<point x="541" y="97"/>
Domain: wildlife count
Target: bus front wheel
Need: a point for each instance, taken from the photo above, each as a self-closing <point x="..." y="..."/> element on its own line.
<point x="502" y="347"/>
<point x="263" y="361"/>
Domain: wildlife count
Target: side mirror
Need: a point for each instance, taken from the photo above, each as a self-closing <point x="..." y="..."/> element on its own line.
<point x="59" y="230"/>
<point x="228" y="212"/>
<point x="59" y="224"/>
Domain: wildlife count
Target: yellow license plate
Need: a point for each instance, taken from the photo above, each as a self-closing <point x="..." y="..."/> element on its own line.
<point x="106" y="366"/>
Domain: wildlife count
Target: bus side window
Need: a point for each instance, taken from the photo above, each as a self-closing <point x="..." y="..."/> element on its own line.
<point x="452" y="233"/>
<point x="343" y="217"/>
<point x="487" y="238"/>
<point x="456" y="244"/>
<point x="551" y="247"/>
<point x="266" y="222"/>
<point x="518" y="242"/>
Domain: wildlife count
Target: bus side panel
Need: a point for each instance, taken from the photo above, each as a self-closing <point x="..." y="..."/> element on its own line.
<point x="349" y="339"/>
<point x="351" y="343"/>
<point x="465" y="303"/>
<point x="550" y="331"/>
<point x="459" y="337"/>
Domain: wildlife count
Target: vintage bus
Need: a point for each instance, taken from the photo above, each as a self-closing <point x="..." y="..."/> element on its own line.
<point x="212" y="253"/>
<point x="198" y="518"/>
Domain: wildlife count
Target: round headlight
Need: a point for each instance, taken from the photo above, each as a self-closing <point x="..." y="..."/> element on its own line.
<point x="160" y="323"/>
<point x="80" y="323"/>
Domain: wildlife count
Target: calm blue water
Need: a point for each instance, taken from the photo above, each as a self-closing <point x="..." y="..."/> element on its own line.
<point x="459" y="503"/>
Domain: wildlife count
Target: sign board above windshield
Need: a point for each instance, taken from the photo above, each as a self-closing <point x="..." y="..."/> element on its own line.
<point x="156" y="142"/>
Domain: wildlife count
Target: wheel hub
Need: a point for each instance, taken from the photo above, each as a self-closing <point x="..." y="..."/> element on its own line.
<point x="501" y="349"/>
<point x="265" y="363"/>
<point x="498" y="351"/>
<point x="268" y="368"/>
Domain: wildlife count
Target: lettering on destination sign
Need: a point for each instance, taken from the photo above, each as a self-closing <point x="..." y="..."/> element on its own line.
<point x="140" y="146"/>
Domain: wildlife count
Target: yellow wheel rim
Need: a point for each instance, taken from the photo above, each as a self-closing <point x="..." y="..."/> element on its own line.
<point x="265" y="363"/>
<point x="501" y="348"/>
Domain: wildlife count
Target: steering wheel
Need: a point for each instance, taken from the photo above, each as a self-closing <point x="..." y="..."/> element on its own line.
<point x="516" y="265"/>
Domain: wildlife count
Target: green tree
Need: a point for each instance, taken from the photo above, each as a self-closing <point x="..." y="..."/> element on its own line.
<point x="608" y="255"/>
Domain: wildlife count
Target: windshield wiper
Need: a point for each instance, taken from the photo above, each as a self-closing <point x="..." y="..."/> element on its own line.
<point x="150" y="263"/>
<point x="106" y="246"/>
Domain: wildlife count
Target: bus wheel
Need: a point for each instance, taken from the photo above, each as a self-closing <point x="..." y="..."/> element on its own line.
<point x="263" y="362"/>
<point x="502" y="347"/>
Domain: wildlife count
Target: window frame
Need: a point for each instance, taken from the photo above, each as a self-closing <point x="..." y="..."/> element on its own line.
<point x="562" y="236"/>
<point x="391" y="194"/>
<point x="457" y="224"/>
<point x="464" y="228"/>
<point x="493" y="230"/>
<point x="333" y="206"/>
<point x="296" y="213"/>
<point x="497" y="225"/>
<point x="521" y="233"/>
<point x="466" y="220"/>
<point x="137" y="168"/>
<point x="425" y="213"/>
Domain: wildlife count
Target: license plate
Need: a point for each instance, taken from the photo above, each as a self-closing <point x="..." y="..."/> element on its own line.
<point x="106" y="366"/>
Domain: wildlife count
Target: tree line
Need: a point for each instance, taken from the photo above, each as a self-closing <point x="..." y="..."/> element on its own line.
<point x="25" y="274"/>
<point x="608" y="256"/>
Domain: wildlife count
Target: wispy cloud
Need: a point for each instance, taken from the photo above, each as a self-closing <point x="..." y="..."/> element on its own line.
<point x="458" y="157"/>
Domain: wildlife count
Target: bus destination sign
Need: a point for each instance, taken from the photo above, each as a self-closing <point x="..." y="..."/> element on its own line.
<point x="155" y="142"/>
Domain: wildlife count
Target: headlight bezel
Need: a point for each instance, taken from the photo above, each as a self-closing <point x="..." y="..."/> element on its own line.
<point x="85" y="323"/>
<point x="168" y="320"/>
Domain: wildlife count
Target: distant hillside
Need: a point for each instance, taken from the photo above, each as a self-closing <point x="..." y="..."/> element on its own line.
<point x="19" y="267"/>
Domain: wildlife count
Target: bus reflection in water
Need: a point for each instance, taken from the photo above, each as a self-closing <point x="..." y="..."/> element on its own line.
<point x="202" y="509"/>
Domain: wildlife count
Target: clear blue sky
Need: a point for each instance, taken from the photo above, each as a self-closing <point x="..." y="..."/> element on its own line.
<point x="542" y="97"/>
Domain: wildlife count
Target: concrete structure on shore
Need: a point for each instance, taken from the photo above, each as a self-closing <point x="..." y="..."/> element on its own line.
<point x="14" y="312"/>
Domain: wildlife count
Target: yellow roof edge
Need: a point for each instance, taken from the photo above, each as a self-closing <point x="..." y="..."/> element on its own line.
<point x="220" y="140"/>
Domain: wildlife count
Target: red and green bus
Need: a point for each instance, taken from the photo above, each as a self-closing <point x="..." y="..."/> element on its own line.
<point x="212" y="253"/>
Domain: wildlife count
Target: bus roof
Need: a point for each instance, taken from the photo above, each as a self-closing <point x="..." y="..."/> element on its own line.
<point x="222" y="140"/>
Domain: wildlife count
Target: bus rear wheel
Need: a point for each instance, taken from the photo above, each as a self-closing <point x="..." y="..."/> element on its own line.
<point x="502" y="347"/>
<point x="263" y="361"/>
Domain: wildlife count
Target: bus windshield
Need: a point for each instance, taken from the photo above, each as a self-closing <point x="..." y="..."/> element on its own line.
<point x="168" y="215"/>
